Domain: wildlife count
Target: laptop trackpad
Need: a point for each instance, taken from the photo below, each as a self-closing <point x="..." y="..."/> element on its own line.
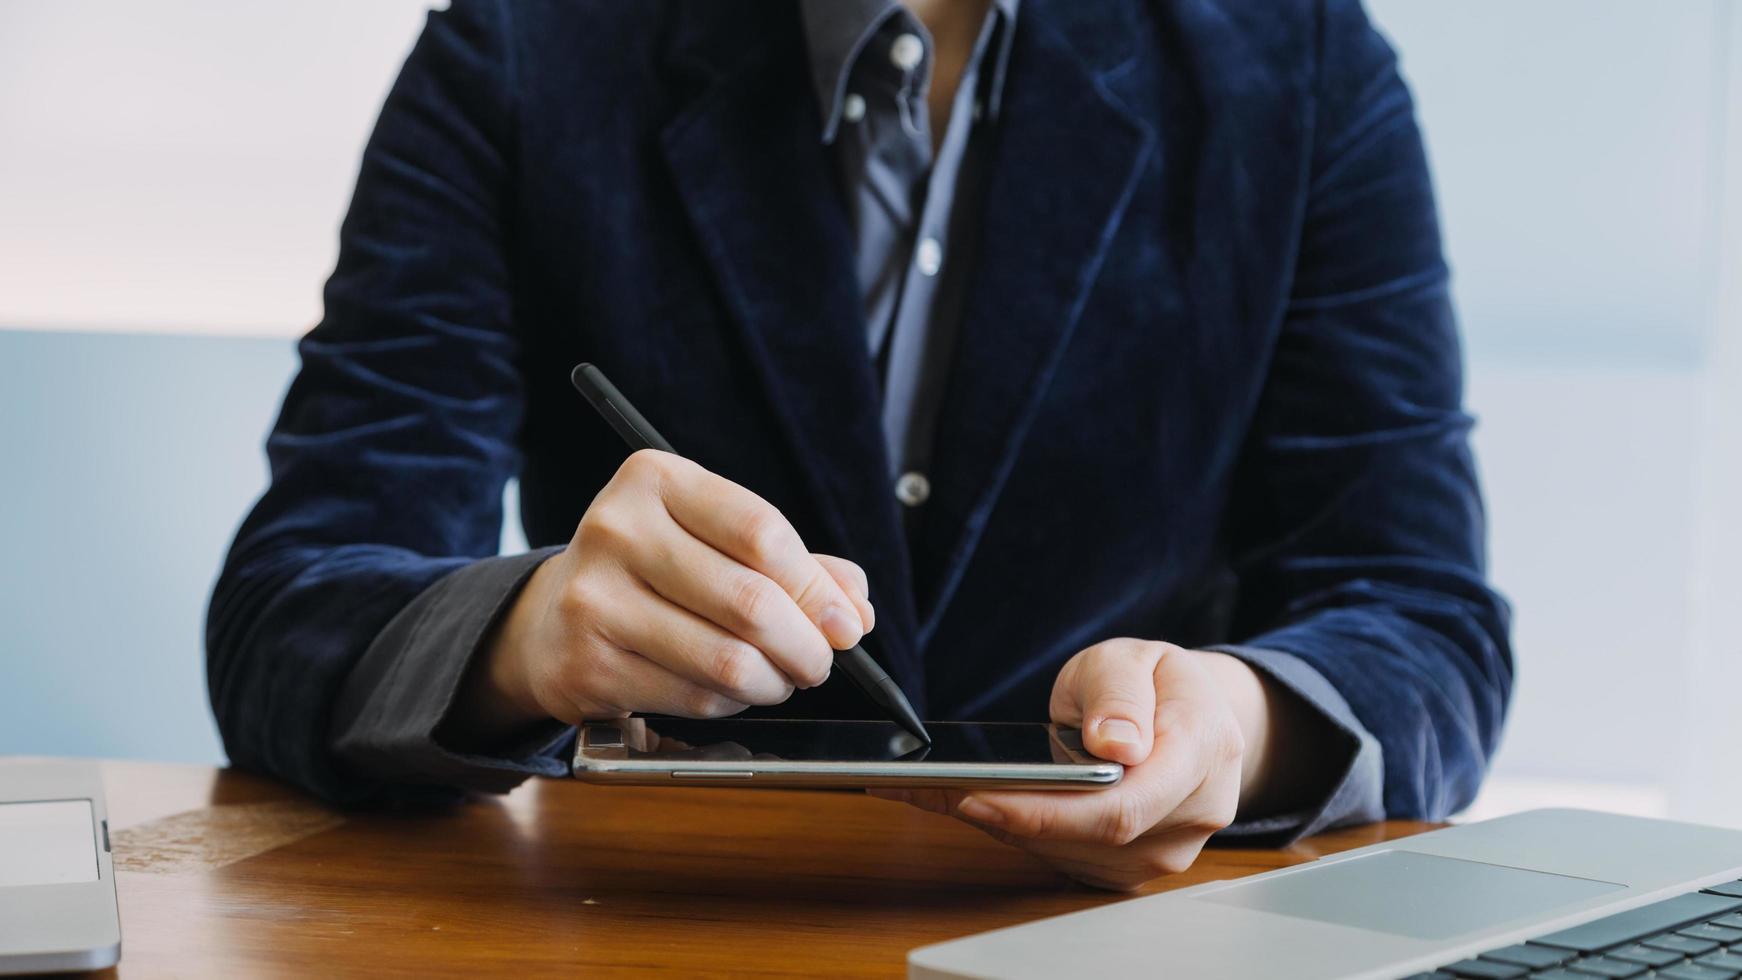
<point x="1419" y="895"/>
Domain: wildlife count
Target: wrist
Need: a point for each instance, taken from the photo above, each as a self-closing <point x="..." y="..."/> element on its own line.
<point x="1249" y="697"/>
<point x="1286" y="739"/>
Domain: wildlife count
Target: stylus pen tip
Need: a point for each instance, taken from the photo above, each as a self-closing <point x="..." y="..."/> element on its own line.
<point x="911" y="722"/>
<point x="902" y="711"/>
<point x="881" y="689"/>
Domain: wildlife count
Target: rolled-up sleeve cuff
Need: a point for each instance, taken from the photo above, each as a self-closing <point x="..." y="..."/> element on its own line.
<point x="393" y="704"/>
<point x="1354" y="792"/>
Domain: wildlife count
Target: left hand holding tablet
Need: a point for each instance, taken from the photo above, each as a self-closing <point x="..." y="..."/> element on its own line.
<point x="1192" y="726"/>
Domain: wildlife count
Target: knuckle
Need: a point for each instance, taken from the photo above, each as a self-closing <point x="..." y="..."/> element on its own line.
<point x="1130" y="647"/>
<point x="1178" y="860"/>
<point x="857" y="574"/>
<point x="1124" y="823"/>
<point x="1214" y="821"/>
<point x="1145" y="654"/>
<point x="752" y="602"/>
<point x="701" y="703"/>
<point x="605" y="528"/>
<point x="1170" y="861"/>
<point x="1118" y="649"/>
<point x="1116" y="655"/>
<point x="578" y="600"/>
<point x="816" y="591"/>
<point x="761" y="534"/>
<point x="645" y="464"/>
<point x="734" y="666"/>
<point x="1121" y="703"/>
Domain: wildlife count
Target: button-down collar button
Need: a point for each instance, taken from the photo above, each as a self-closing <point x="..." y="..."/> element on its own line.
<point x="906" y="51"/>
<point x="912" y="489"/>
<point x="853" y="107"/>
<point x="929" y="256"/>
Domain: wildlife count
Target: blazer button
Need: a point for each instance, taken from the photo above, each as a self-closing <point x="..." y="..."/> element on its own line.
<point x="912" y="489"/>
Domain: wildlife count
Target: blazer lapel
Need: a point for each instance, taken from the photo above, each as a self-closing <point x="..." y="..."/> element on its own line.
<point x="1064" y="165"/>
<point x="750" y="168"/>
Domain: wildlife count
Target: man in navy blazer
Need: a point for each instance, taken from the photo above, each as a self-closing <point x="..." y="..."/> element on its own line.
<point x="1091" y="360"/>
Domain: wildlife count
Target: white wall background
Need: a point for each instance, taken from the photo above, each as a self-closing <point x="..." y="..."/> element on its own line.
<point x="1703" y="785"/>
<point x="179" y="170"/>
<point x="182" y="165"/>
<point x="1583" y="152"/>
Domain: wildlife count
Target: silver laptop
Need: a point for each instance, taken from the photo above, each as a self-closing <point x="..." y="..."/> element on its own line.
<point x="1550" y="894"/>
<point x="57" y="885"/>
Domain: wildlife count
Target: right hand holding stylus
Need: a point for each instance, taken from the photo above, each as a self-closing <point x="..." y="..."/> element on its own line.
<point x="680" y="593"/>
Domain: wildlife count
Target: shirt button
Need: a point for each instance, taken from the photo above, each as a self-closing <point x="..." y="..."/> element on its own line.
<point x="912" y="489"/>
<point x="906" y="51"/>
<point x="853" y="107"/>
<point x="929" y="257"/>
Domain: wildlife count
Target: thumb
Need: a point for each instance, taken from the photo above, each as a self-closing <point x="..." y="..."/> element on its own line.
<point x="1108" y="691"/>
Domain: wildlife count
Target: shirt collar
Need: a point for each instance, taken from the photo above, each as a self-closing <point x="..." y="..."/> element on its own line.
<point x="836" y="31"/>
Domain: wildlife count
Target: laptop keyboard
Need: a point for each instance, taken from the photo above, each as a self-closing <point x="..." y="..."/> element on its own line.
<point x="1697" y="936"/>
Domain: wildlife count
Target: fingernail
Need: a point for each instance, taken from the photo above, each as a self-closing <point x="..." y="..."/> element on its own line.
<point x="840" y="625"/>
<point x="1118" y="731"/>
<point x="979" y="810"/>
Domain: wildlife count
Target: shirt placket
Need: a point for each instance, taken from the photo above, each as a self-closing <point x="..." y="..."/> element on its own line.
<point x="913" y="335"/>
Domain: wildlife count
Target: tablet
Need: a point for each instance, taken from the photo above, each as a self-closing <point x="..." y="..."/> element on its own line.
<point x="864" y="754"/>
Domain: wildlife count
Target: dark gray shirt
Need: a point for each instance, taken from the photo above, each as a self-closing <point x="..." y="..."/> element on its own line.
<point x="913" y="214"/>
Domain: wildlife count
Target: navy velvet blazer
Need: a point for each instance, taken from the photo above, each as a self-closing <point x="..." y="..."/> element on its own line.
<point x="1207" y="390"/>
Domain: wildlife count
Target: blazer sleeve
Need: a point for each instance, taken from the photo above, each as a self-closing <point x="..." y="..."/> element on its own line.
<point x="1357" y="518"/>
<point x="396" y="437"/>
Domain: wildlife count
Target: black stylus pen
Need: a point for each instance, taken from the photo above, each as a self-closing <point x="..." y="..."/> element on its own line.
<point x="640" y="434"/>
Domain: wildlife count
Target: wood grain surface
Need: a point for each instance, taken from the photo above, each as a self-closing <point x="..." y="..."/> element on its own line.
<point x="226" y="874"/>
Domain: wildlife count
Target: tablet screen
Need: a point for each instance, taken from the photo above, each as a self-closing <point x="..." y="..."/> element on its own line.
<point x="845" y="741"/>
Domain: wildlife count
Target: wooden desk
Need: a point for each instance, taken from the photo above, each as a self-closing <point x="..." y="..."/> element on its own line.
<point x="225" y="874"/>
